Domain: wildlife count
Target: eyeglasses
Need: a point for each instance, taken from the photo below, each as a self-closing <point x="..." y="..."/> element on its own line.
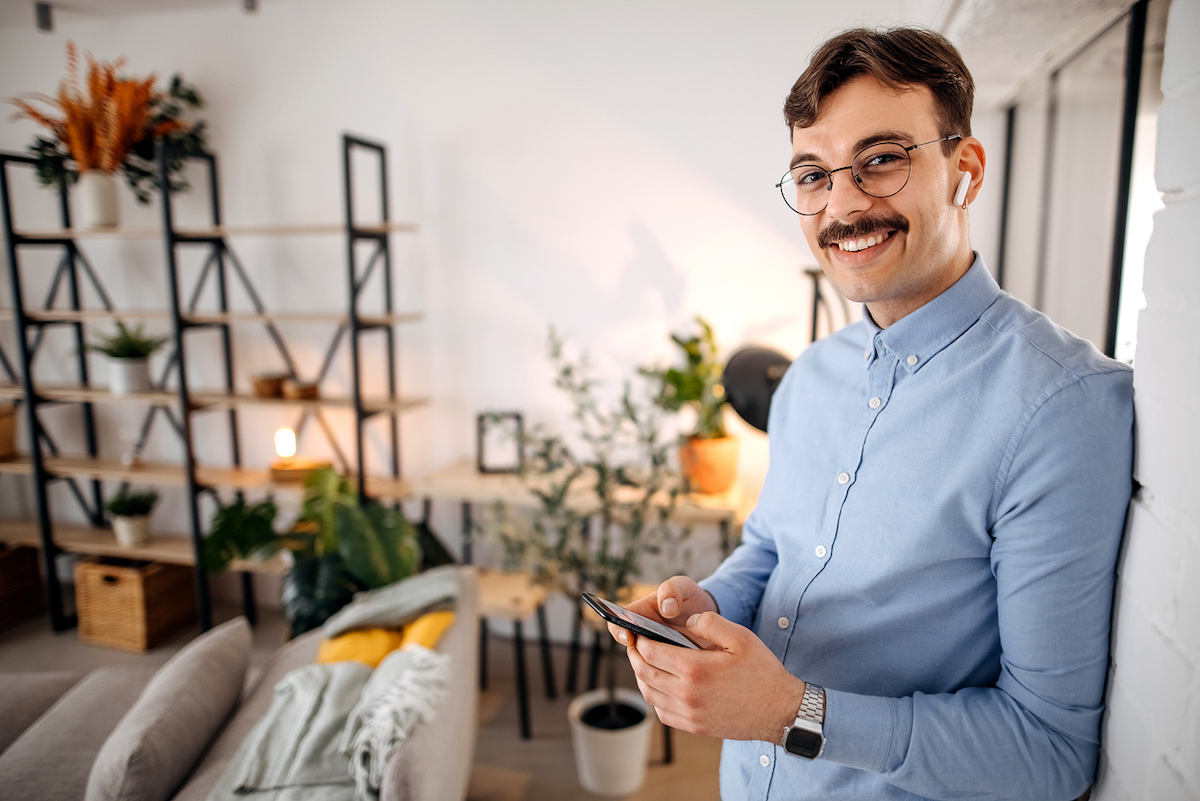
<point x="880" y="170"/>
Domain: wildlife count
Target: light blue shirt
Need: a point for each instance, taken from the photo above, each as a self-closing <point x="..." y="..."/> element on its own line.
<point x="935" y="544"/>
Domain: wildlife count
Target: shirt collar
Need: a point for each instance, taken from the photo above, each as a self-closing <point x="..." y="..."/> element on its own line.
<point x="920" y="335"/>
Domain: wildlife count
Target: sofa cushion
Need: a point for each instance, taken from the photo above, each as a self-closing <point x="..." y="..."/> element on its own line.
<point x="297" y="653"/>
<point x="162" y="736"/>
<point x="25" y="696"/>
<point x="52" y="759"/>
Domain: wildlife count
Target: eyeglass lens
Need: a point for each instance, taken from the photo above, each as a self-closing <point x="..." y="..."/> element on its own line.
<point x="880" y="171"/>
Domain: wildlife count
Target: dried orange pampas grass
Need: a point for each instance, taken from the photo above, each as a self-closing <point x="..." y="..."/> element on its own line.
<point x="100" y="126"/>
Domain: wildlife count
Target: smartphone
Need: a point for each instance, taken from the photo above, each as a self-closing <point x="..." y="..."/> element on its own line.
<point x="642" y="626"/>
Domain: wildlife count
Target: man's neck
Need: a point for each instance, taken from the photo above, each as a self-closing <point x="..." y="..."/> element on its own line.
<point x="884" y="313"/>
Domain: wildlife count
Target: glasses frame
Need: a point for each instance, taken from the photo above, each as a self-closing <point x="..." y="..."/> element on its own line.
<point x="857" y="181"/>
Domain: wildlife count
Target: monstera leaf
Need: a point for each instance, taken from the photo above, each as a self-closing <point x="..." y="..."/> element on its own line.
<point x="378" y="545"/>
<point x="314" y="588"/>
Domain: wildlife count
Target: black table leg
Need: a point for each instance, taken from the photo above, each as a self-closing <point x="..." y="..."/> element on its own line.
<point x="522" y="692"/>
<point x="547" y="661"/>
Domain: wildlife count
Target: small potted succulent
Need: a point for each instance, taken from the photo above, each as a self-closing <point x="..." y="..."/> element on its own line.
<point x="708" y="456"/>
<point x="129" y="352"/>
<point x="130" y="513"/>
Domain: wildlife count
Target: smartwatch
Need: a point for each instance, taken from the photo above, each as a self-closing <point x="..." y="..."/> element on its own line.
<point x="805" y="737"/>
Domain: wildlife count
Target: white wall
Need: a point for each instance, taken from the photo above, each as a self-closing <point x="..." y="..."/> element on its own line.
<point x="1151" y="744"/>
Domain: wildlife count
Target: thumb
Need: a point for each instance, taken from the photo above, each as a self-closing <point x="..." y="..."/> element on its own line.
<point x="722" y="633"/>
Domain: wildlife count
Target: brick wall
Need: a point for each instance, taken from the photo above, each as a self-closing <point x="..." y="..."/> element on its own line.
<point x="1151" y="746"/>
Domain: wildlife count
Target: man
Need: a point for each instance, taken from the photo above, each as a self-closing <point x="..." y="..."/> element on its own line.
<point x="920" y="603"/>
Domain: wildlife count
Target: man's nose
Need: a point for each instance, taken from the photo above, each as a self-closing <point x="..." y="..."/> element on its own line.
<point x="846" y="198"/>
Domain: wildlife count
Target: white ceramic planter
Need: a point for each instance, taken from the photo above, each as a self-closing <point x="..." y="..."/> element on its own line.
<point x="129" y="376"/>
<point x="131" y="531"/>
<point x="97" y="193"/>
<point x="610" y="762"/>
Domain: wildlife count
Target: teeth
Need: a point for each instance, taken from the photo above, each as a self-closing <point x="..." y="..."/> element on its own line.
<point x="853" y="246"/>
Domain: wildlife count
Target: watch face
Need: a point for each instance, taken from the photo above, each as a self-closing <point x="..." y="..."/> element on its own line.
<point x="803" y="742"/>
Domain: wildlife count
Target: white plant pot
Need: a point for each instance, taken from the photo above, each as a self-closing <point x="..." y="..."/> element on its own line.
<point x="129" y="376"/>
<point x="97" y="193"/>
<point x="610" y="762"/>
<point x="131" y="531"/>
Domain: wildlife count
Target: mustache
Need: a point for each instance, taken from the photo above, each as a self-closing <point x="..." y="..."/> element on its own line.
<point x="837" y="231"/>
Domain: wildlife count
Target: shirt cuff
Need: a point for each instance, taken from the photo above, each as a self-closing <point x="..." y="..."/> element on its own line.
<point x="730" y="603"/>
<point x="861" y="731"/>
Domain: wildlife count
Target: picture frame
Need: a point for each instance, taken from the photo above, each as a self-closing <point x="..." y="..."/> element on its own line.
<point x="500" y="442"/>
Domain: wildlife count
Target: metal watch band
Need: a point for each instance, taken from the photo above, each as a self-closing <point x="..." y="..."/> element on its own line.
<point x="812" y="705"/>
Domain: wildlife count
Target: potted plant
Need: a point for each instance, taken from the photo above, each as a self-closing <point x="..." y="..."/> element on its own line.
<point x="129" y="352"/>
<point x="601" y="509"/>
<point x="338" y="547"/>
<point x="708" y="455"/>
<point x="108" y="127"/>
<point x="130" y="513"/>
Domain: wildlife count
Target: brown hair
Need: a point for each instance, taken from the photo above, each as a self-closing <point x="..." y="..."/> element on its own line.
<point x="898" y="58"/>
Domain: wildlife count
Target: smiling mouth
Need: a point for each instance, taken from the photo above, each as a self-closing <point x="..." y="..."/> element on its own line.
<point x="863" y="243"/>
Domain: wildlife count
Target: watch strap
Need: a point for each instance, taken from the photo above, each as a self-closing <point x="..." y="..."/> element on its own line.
<point x="812" y="704"/>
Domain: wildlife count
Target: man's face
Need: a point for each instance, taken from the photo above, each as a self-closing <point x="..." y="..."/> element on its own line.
<point x="924" y="247"/>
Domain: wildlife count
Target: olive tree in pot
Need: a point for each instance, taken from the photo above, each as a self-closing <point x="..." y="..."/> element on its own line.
<point x="337" y="546"/>
<point x="130" y="512"/>
<point x="708" y="456"/>
<point x="602" y="507"/>
<point x="128" y="351"/>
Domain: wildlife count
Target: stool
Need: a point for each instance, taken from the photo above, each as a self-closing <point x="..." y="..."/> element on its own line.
<point x="514" y="596"/>
<point x="588" y="617"/>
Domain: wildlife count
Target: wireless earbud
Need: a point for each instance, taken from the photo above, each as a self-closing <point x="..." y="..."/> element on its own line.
<point x="960" y="194"/>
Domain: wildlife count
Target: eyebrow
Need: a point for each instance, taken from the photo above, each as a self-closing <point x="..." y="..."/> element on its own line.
<point x="883" y="136"/>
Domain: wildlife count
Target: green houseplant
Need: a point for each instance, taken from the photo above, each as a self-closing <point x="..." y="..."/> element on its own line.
<point x="602" y="507"/>
<point x="708" y="455"/>
<point x="129" y="351"/>
<point x="338" y="547"/>
<point x="130" y="512"/>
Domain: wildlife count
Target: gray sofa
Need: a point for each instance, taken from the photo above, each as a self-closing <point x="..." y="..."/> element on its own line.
<point x="53" y="726"/>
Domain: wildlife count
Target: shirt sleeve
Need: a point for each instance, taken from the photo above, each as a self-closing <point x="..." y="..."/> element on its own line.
<point x="1063" y="489"/>
<point x="737" y="585"/>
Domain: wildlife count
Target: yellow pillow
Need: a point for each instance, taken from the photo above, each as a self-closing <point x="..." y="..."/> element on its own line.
<point x="368" y="646"/>
<point x="427" y="630"/>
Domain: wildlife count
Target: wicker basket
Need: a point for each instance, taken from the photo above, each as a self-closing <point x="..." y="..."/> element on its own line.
<point x="132" y="604"/>
<point x="21" y="595"/>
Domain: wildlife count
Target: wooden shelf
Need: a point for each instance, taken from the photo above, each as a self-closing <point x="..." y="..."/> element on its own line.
<point x="158" y="474"/>
<point x="175" y="550"/>
<point x="463" y="482"/>
<point x="209" y="318"/>
<point x="220" y="231"/>
<point x="68" y="394"/>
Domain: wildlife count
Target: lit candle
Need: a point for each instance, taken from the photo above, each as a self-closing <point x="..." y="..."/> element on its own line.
<point x="285" y="443"/>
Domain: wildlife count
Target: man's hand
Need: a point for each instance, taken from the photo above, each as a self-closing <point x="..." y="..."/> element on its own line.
<point x="737" y="689"/>
<point x="677" y="599"/>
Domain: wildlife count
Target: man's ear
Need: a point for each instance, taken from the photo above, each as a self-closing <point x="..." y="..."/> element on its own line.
<point x="971" y="158"/>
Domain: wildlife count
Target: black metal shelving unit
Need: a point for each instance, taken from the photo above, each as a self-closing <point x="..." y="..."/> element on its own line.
<point x="220" y="263"/>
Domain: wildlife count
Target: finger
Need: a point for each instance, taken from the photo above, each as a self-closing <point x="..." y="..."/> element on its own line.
<point x="621" y="634"/>
<point x="724" y="634"/>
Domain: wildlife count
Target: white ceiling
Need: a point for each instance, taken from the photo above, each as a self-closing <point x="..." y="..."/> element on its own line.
<point x="1004" y="42"/>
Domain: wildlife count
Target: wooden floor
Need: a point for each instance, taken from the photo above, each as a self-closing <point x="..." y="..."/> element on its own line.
<point x="507" y="768"/>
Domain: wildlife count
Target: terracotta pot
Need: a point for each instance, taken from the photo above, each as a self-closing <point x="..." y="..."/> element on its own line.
<point x="97" y="193"/>
<point x="709" y="465"/>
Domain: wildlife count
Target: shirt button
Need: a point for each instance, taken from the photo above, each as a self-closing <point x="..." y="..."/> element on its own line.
<point x="843" y="478"/>
<point x="867" y="353"/>
<point x="874" y="403"/>
<point x="784" y="623"/>
<point x="821" y="551"/>
<point x="764" y="760"/>
<point x="912" y="360"/>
